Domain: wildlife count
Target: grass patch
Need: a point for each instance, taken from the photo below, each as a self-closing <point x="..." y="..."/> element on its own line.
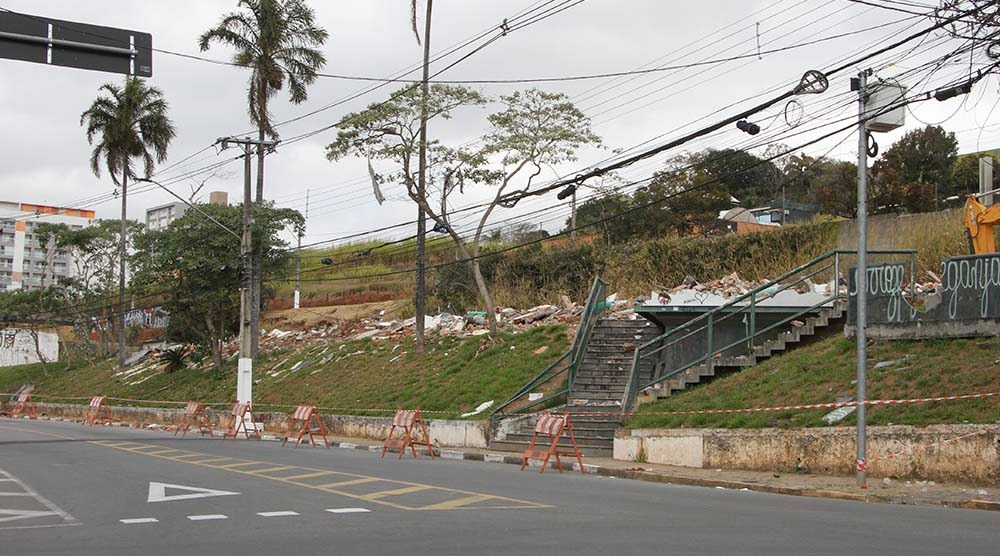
<point x="825" y="370"/>
<point x="454" y="374"/>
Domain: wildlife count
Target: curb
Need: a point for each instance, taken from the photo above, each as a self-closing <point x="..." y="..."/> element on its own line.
<point x="613" y="472"/>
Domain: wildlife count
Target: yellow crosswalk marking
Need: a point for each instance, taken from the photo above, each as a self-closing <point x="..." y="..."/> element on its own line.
<point x="240" y="464"/>
<point x="271" y="469"/>
<point x="360" y="481"/>
<point x="396" y="492"/>
<point x="458" y="502"/>
<point x="308" y="475"/>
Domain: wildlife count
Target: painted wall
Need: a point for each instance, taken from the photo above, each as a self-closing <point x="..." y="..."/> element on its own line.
<point x="17" y="347"/>
<point x="973" y="459"/>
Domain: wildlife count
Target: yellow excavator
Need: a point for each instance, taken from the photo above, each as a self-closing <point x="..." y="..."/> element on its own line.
<point x="979" y="222"/>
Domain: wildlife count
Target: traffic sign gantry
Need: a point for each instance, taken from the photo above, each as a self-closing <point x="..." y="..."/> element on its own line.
<point x="56" y="42"/>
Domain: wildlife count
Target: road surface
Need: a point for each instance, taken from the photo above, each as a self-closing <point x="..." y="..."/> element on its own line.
<point x="75" y="490"/>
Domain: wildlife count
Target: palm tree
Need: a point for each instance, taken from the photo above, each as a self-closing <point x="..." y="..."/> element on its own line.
<point x="129" y="123"/>
<point x="276" y="39"/>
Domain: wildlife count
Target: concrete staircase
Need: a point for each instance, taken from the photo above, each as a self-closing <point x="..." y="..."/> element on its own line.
<point x="597" y="391"/>
<point x="785" y="341"/>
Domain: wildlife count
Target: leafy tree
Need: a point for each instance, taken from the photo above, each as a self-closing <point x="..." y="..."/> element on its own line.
<point x="595" y="215"/>
<point x="130" y="123"/>
<point x="836" y="187"/>
<point x="204" y="283"/>
<point x="921" y="157"/>
<point x="94" y="251"/>
<point x="534" y="129"/>
<point x="742" y="174"/>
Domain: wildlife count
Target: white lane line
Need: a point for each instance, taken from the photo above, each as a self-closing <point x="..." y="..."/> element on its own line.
<point x="207" y="517"/>
<point x="16" y="494"/>
<point x="66" y="517"/>
<point x="277" y="514"/>
<point x="136" y="520"/>
<point x="348" y="510"/>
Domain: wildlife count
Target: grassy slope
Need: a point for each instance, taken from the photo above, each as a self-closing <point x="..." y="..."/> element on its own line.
<point x="449" y="376"/>
<point x="825" y="370"/>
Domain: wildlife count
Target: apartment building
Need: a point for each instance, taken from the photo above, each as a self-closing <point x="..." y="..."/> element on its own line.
<point x="24" y="263"/>
<point x="158" y="218"/>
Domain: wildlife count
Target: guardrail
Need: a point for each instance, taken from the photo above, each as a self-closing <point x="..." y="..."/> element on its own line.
<point x="567" y="364"/>
<point x="697" y="337"/>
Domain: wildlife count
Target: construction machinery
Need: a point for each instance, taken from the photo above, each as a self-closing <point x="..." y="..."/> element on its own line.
<point x="979" y="222"/>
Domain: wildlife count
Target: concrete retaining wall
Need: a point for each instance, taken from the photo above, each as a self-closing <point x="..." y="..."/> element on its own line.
<point x="973" y="459"/>
<point x="444" y="432"/>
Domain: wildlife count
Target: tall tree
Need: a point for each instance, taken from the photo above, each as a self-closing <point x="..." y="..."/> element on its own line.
<point x="129" y="123"/>
<point x="918" y="169"/>
<point x="534" y="130"/>
<point x="204" y="283"/>
<point x="278" y="41"/>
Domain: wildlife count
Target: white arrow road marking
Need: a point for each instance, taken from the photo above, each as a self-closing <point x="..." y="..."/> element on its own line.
<point x="158" y="492"/>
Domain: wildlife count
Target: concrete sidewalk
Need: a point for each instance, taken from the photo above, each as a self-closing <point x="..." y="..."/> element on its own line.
<point x="892" y="491"/>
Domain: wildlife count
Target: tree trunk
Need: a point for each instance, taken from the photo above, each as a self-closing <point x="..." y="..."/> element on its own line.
<point x="65" y="348"/>
<point x="38" y="350"/>
<point x="484" y="292"/>
<point x="121" y="272"/>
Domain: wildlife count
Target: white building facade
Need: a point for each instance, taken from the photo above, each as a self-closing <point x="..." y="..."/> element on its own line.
<point x="158" y="218"/>
<point x="24" y="262"/>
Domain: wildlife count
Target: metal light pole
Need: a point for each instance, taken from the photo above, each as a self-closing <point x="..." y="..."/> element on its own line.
<point x="861" y="279"/>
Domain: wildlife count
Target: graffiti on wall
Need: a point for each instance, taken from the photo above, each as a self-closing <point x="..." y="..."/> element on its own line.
<point x="17" y="347"/>
<point x="970" y="290"/>
<point x="148" y="317"/>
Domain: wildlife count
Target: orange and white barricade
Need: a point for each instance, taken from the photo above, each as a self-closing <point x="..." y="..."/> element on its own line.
<point x="407" y="421"/>
<point x="97" y="412"/>
<point x="302" y="425"/>
<point x="195" y="415"/>
<point x="553" y="427"/>
<point x="24" y="406"/>
<point x="238" y="421"/>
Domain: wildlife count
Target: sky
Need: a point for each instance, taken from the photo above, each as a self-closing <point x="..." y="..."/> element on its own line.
<point x="46" y="155"/>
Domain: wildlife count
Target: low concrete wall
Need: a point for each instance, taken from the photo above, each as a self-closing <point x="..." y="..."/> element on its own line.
<point x="827" y="451"/>
<point x="444" y="432"/>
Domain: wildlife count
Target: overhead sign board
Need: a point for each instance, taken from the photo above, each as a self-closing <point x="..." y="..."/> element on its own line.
<point x="57" y="42"/>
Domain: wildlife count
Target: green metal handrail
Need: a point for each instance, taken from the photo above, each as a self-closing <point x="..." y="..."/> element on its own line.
<point x="570" y="360"/>
<point x="747" y="305"/>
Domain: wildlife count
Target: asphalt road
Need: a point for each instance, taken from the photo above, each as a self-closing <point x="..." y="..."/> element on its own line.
<point x="69" y="489"/>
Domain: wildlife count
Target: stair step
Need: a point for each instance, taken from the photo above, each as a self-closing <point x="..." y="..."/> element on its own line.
<point x="595" y="441"/>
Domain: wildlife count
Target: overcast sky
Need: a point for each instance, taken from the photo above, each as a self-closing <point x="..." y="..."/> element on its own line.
<point x="45" y="154"/>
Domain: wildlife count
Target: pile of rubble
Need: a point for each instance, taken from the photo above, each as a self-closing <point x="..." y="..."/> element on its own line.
<point x="713" y="292"/>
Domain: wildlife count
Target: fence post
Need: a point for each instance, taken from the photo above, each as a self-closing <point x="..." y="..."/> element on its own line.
<point x="711" y="323"/>
<point x="753" y="320"/>
<point x="836" y="275"/>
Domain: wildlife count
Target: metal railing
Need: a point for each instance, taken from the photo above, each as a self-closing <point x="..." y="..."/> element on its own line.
<point x="567" y="364"/>
<point x="711" y="336"/>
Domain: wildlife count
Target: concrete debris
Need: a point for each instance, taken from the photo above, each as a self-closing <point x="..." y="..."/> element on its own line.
<point x="479" y="409"/>
<point x="540" y="350"/>
<point x="535" y="314"/>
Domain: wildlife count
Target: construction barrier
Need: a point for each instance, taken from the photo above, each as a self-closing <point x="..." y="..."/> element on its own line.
<point x="302" y="425"/>
<point x="24" y="406"/>
<point x="552" y="426"/>
<point x="97" y="412"/>
<point x="407" y="420"/>
<point x="195" y="415"/>
<point x="238" y="421"/>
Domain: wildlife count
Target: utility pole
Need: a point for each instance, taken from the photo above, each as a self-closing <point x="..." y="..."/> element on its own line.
<point x="298" y="261"/>
<point x="244" y="377"/>
<point x="986" y="179"/>
<point x="122" y="253"/>
<point x="420" y="297"/>
<point x="861" y="279"/>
